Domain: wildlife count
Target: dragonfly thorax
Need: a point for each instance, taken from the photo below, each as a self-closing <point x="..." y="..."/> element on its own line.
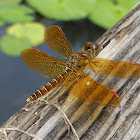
<point x="79" y="59"/>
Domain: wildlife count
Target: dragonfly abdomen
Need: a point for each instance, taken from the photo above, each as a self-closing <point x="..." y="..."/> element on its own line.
<point x="49" y="86"/>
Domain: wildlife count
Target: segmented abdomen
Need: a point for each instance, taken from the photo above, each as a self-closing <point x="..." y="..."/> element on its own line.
<point x="49" y="86"/>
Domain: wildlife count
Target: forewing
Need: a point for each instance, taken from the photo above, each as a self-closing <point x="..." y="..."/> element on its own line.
<point x="43" y="63"/>
<point x="116" y="69"/>
<point x="56" y="40"/>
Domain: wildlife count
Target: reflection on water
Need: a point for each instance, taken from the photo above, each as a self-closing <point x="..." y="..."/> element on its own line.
<point x="17" y="81"/>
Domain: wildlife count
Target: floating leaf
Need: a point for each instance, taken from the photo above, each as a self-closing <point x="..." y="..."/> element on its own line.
<point x="12" y="13"/>
<point x="33" y="31"/>
<point x="108" y="12"/>
<point x="63" y="9"/>
<point x="1" y="22"/>
<point x="9" y="1"/>
<point x="105" y="14"/>
<point x="127" y="5"/>
<point x="13" y="46"/>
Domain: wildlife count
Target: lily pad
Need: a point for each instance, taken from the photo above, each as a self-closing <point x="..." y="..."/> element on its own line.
<point x="1" y="22"/>
<point x="13" y="46"/>
<point x="127" y="5"/>
<point x="12" y="13"/>
<point x="33" y="31"/>
<point x="63" y="9"/>
<point x="108" y="12"/>
<point x="9" y="1"/>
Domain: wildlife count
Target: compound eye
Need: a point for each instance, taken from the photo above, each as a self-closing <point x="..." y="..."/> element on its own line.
<point x="88" y="46"/>
<point x="91" y="46"/>
<point x="95" y="46"/>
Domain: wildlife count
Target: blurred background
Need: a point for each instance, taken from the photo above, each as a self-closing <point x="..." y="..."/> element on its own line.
<point x="22" y="25"/>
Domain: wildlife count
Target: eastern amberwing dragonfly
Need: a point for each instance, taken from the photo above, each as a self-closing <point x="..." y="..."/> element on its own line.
<point x="72" y="71"/>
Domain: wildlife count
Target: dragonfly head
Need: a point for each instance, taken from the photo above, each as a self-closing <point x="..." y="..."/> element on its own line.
<point x="91" y="49"/>
<point x="81" y="59"/>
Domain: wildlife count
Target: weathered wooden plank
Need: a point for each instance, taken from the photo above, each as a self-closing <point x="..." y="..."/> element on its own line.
<point x="90" y="121"/>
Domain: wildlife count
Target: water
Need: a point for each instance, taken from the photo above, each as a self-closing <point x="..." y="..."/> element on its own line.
<point x="18" y="82"/>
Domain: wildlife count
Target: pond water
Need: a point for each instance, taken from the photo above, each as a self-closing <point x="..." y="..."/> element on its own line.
<point x="18" y="82"/>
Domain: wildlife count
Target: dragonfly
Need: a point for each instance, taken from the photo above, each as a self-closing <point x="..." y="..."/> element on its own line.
<point x="72" y="72"/>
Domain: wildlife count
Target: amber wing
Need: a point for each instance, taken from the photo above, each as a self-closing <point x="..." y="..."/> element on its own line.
<point x="90" y="90"/>
<point x="56" y="40"/>
<point x="43" y="63"/>
<point x="116" y="69"/>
